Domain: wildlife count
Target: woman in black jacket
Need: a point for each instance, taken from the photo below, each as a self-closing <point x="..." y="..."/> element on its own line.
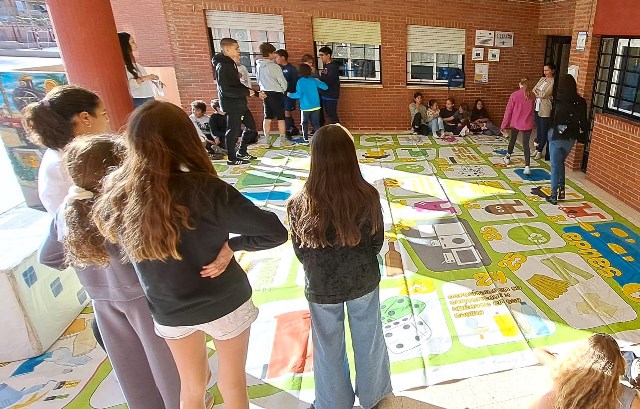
<point x="569" y="124"/>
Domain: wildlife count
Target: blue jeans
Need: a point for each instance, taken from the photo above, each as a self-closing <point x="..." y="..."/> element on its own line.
<point x="330" y="364"/>
<point x="314" y="118"/>
<point x="139" y="101"/>
<point x="436" y="125"/>
<point x="542" y="127"/>
<point x="558" y="150"/>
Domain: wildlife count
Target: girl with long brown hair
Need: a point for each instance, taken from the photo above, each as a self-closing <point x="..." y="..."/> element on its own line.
<point x="588" y="377"/>
<point x="519" y="117"/>
<point x="142" y="86"/>
<point x="172" y="215"/>
<point x="337" y="232"/>
<point x="140" y="359"/>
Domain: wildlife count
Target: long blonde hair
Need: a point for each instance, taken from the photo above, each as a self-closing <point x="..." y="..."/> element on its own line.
<point x="524" y="81"/>
<point x="140" y="209"/>
<point x="589" y="377"/>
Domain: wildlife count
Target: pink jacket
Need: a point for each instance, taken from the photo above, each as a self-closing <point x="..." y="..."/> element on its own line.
<point x="519" y="112"/>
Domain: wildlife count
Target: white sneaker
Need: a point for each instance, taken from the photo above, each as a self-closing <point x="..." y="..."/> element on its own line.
<point x="527" y="171"/>
<point x="507" y="160"/>
<point x="538" y="155"/>
<point x="285" y="142"/>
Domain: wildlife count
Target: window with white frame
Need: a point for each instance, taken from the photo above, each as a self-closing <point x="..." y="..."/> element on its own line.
<point x="435" y="55"/>
<point x="355" y="46"/>
<point x="249" y="29"/>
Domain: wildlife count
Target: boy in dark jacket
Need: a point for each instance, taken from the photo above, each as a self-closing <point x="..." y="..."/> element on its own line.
<point x="330" y="75"/>
<point x="233" y="100"/>
<point x="291" y="75"/>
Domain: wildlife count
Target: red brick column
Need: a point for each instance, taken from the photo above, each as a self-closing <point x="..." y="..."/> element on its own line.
<point x="96" y="64"/>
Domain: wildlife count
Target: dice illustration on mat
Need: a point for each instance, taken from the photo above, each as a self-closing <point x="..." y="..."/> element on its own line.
<point x="402" y="327"/>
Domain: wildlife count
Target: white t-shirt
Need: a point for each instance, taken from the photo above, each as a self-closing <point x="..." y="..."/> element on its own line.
<point x="144" y="89"/>
<point x="202" y="125"/>
<point x="53" y="182"/>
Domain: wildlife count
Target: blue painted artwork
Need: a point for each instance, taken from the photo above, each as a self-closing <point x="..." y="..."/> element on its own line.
<point x="537" y="175"/>
<point x="268" y="195"/>
<point x="618" y="244"/>
<point x="29" y="276"/>
<point x="56" y="287"/>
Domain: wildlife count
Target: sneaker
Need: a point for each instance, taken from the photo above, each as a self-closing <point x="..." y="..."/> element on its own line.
<point x="414" y="133"/>
<point x="527" y="170"/>
<point x="507" y="160"/>
<point x="535" y="144"/>
<point x="552" y="200"/>
<point x="289" y="137"/>
<point x="285" y="141"/>
<point x="238" y="162"/>
<point x="561" y="194"/>
<point x="245" y="156"/>
<point x="293" y="132"/>
<point x="300" y="141"/>
<point x="537" y="156"/>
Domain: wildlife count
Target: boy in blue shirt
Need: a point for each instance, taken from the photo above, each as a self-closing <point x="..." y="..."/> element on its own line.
<point x="291" y="75"/>
<point x="307" y="93"/>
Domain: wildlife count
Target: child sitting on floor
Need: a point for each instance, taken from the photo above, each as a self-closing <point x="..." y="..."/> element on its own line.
<point x="419" y="119"/>
<point x="435" y="122"/>
<point x="449" y="117"/>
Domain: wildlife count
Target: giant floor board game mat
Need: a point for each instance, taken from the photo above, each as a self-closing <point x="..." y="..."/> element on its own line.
<point x="477" y="269"/>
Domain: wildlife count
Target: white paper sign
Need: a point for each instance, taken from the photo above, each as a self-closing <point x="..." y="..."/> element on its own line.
<point x="504" y="39"/>
<point x="477" y="54"/>
<point x="484" y="37"/>
<point x="481" y="74"/>
<point x="494" y="54"/>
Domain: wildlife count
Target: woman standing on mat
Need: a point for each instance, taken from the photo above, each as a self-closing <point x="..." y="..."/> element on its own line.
<point x="140" y="83"/>
<point x="140" y="359"/>
<point x="519" y="117"/>
<point x="172" y="215"/>
<point x="65" y="113"/>
<point x="337" y="232"/>
<point x="587" y="377"/>
<point x="544" y="102"/>
<point x="569" y="124"/>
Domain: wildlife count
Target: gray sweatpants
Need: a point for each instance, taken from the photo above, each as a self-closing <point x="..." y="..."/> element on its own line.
<point x="141" y="360"/>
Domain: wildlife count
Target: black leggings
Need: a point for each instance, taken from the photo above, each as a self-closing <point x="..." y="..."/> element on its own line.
<point x="418" y="126"/>
<point x="526" y="135"/>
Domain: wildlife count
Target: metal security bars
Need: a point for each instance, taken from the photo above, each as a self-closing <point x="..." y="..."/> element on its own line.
<point x="357" y="62"/>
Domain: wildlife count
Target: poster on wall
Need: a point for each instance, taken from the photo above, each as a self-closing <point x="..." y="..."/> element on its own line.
<point x="504" y="39"/>
<point x="481" y="73"/>
<point x="581" y="41"/>
<point x="18" y="90"/>
<point x="477" y="54"/>
<point x="494" y="54"/>
<point x="484" y="37"/>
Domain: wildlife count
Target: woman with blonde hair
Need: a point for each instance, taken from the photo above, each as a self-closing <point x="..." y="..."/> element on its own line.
<point x="172" y="215"/>
<point x="519" y="117"/>
<point x="588" y="377"/>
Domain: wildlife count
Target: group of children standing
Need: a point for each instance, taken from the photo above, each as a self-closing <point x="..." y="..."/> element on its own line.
<point x="454" y="121"/>
<point x="163" y="275"/>
<point x="280" y="85"/>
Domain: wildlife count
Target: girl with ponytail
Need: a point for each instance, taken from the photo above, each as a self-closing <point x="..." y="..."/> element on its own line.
<point x="519" y="117"/>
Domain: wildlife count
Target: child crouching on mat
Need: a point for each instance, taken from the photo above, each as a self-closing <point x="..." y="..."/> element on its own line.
<point x="141" y="360"/>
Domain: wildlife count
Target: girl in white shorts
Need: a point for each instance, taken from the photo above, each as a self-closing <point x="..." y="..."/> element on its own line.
<point x="172" y="215"/>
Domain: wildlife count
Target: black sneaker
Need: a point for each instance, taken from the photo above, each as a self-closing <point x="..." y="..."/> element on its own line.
<point x="561" y="194"/>
<point x="551" y="199"/>
<point x="246" y="156"/>
<point x="293" y="132"/>
<point x="238" y="162"/>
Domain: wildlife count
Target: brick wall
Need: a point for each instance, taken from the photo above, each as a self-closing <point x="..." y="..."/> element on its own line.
<point x="145" y="20"/>
<point x="557" y="18"/>
<point x="613" y="156"/>
<point x="371" y="107"/>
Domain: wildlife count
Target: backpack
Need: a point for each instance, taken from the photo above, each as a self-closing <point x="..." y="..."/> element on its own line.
<point x="572" y="128"/>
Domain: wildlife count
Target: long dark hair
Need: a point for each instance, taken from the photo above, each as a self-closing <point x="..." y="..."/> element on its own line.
<point x="127" y="53"/>
<point x="480" y="113"/>
<point x="87" y="161"/>
<point x="50" y="122"/>
<point x="335" y="197"/>
<point x="568" y="89"/>
<point x="138" y="209"/>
